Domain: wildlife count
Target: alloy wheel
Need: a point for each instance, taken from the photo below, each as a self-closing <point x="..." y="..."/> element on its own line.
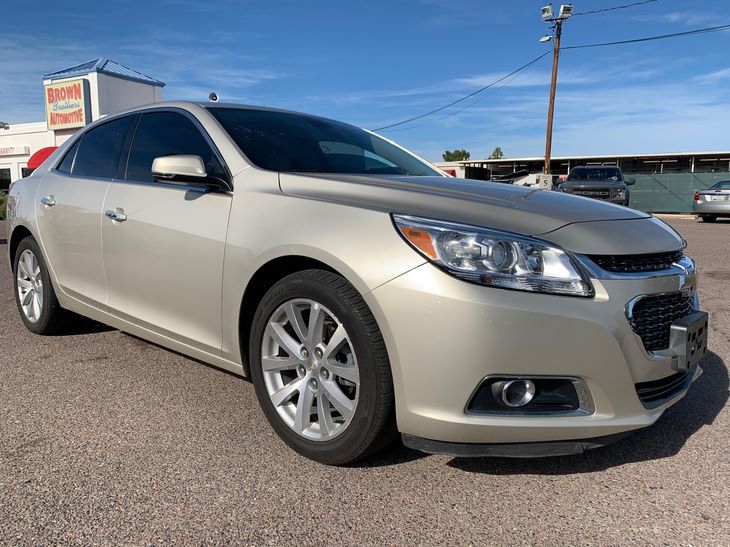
<point x="310" y="369"/>
<point x="29" y="283"/>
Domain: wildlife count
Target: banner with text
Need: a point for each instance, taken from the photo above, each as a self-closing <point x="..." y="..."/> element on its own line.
<point x="67" y="104"/>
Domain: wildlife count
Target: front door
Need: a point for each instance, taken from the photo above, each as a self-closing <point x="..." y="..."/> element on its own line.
<point x="164" y="243"/>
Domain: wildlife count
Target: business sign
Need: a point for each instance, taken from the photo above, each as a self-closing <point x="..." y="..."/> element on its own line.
<point x="67" y="104"/>
<point x="14" y="150"/>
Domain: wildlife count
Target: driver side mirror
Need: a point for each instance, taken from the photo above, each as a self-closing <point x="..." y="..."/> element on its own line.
<point x="184" y="170"/>
<point x="630" y="181"/>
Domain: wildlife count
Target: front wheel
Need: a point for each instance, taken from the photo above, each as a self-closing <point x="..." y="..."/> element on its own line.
<point x="320" y="368"/>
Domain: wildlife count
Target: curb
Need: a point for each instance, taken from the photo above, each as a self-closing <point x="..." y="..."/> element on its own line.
<point x="675" y="216"/>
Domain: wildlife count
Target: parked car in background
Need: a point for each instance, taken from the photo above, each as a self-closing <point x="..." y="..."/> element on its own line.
<point x="713" y="202"/>
<point x="600" y="182"/>
<point x="366" y="293"/>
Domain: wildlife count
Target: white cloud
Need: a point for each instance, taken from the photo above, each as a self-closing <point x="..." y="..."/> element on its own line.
<point x="189" y="69"/>
<point x="711" y="77"/>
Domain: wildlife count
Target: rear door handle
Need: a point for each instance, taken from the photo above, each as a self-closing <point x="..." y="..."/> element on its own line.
<point x="48" y="201"/>
<point x="116" y="215"/>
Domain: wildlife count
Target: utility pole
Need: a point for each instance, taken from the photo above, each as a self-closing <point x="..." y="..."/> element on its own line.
<point x="566" y="11"/>
<point x="551" y="103"/>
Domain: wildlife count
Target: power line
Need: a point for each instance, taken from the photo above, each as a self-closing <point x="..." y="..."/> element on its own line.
<point x="452" y="103"/>
<point x="650" y="38"/>
<point x="450" y="114"/>
<point x="614" y="8"/>
<point x="535" y="60"/>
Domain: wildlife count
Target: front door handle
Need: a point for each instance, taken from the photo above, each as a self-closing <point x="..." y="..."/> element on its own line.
<point x="116" y="215"/>
<point x="48" y="201"/>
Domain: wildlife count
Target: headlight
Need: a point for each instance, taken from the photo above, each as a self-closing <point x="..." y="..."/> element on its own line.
<point x="494" y="258"/>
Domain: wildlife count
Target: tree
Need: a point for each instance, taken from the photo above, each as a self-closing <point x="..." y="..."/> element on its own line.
<point x="456" y="155"/>
<point x="497" y="154"/>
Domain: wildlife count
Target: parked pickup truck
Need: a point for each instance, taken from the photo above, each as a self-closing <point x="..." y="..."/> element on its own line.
<point x="601" y="182"/>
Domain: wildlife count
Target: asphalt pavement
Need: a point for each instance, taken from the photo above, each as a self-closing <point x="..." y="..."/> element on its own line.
<point x="106" y="439"/>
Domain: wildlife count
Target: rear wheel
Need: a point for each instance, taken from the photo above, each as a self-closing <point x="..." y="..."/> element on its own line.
<point x="708" y="218"/>
<point x="320" y="368"/>
<point x="34" y="294"/>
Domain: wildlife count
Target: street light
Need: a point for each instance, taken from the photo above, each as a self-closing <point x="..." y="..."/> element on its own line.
<point x="566" y="10"/>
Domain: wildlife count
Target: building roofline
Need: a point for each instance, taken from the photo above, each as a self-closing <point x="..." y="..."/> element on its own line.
<point x="99" y="65"/>
<point x="593" y="156"/>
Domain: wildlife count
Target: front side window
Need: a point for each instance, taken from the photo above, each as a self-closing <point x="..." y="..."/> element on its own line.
<point x="167" y="134"/>
<point x="99" y="150"/>
<point x="287" y="141"/>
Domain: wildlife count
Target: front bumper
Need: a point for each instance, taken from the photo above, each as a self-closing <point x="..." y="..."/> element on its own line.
<point x="444" y="336"/>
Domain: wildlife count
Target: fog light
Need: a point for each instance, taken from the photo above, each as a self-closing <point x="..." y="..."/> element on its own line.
<point x="517" y="393"/>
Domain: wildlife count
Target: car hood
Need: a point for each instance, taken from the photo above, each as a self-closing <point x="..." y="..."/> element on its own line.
<point x="492" y="205"/>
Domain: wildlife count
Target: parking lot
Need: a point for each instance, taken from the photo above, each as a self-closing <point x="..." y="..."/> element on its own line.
<point x="106" y="439"/>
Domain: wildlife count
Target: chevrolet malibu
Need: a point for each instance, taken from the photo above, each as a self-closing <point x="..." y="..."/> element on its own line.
<point x="366" y="294"/>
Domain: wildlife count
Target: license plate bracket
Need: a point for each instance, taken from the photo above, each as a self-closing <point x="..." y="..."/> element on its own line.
<point x="688" y="337"/>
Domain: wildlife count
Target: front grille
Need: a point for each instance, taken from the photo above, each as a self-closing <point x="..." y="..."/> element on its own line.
<point x="637" y="263"/>
<point x="652" y="317"/>
<point x="598" y="194"/>
<point x="656" y="392"/>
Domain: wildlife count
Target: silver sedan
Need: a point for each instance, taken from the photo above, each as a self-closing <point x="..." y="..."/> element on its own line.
<point x="713" y="202"/>
<point x="365" y="293"/>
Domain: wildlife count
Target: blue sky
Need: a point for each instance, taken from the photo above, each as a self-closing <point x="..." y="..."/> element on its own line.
<point x="376" y="62"/>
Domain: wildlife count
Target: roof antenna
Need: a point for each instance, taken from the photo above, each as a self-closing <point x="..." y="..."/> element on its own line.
<point x="213" y="97"/>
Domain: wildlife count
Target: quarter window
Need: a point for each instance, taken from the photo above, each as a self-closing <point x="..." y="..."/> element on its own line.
<point x="68" y="160"/>
<point x="167" y="134"/>
<point x="98" y="153"/>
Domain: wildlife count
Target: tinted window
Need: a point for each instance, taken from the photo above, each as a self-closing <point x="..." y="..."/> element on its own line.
<point x="98" y="154"/>
<point x="167" y="134"/>
<point x="68" y="159"/>
<point x="286" y="141"/>
<point x="595" y="173"/>
<point x="722" y="185"/>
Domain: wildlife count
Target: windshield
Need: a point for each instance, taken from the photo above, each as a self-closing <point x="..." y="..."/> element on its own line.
<point x="286" y="141"/>
<point x="722" y="185"/>
<point x="595" y="173"/>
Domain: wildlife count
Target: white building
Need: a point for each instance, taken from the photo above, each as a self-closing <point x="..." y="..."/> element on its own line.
<point x="73" y="97"/>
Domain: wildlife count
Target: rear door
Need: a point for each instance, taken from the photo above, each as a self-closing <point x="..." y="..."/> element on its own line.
<point x="164" y="261"/>
<point x="69" y="210"/>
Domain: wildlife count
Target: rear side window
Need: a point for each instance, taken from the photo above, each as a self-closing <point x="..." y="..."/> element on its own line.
<point x="167" y="134"/>
<point x="98" y="153"/>
<point x="68" y="160"/>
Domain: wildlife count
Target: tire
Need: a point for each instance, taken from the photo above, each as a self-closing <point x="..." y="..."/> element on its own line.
<point x="47" y="317"/>
<point x="708" y="218"/>
<point x="333" y="434"/>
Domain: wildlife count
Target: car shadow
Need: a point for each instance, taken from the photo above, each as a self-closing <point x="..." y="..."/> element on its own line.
<point x="703" y="402"/>
<point x="77" y="324"/>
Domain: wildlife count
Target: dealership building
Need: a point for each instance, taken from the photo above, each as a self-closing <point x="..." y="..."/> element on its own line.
<point x="73" y="97"/>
